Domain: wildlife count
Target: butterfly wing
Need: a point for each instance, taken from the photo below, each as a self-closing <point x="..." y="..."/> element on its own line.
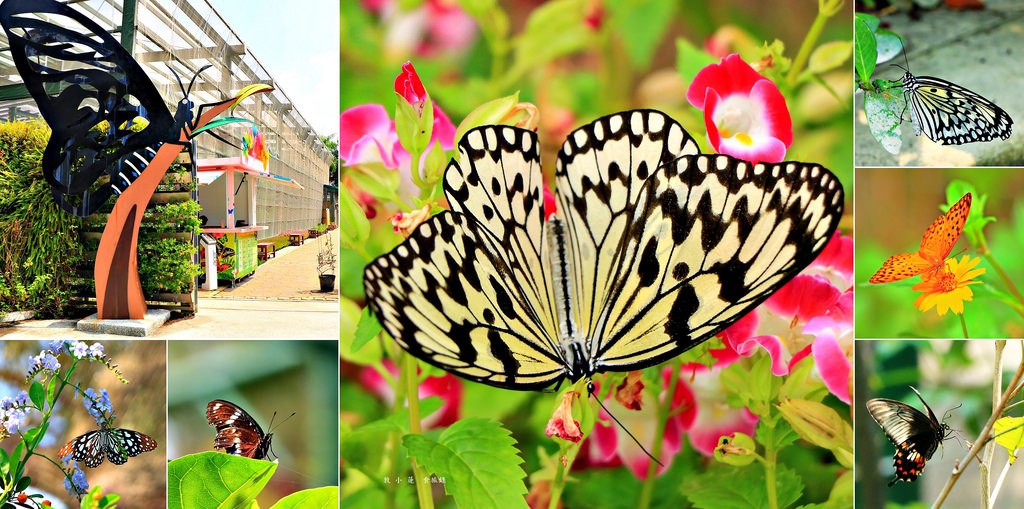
<point x="237" y="432"/>
<point x="468" y="291"/>
<point x="953" y="115"/>
<point x="941" y="236"/>
<point x="915" y="435"/>
<point x="714" y="237"/>
<point x="901" y="266"/>
<point x="120" y="444"/>
<point x="80" y="76"/>
<point x="86" y="448"/>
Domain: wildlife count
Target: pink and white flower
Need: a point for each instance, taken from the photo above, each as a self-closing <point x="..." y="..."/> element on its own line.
<point x="744" y="112"/>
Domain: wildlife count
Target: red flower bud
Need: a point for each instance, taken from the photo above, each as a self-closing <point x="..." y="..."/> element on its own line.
<point x="409" y="86"/>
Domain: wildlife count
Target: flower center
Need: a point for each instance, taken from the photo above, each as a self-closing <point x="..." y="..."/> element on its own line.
<point x="945" y="281"/>
<point x="739" y="118"/>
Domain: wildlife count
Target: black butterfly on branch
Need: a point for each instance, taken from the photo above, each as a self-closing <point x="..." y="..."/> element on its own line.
<point x="112" y="132"/>
<point x="915" y="435"/>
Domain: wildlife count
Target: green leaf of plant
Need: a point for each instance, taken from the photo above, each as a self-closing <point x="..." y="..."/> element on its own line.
<point x="888" y="45"/>
<point x="865" y="54"/>
<point x="355" y="228"/>
<point x="374" y="178"/>
<point x="828" y="56"/>
<point x="884" y="111"/>
<point x="317" y="498"/>
<point x="367" y="329"/>
<point x="23" y="483"/>
<point x="1009" y="432"/>
<point x="741" y="487"/>
<point x="37" y="394"/>
<point x="211" y="480"/>
<point x="641" y="24"/>
<point x="690" y="60"/>
<point x="51" y="392"/>
<point x="872" y="22"/>
<point x="478" y="461"/>
<point x="553" y="29"/>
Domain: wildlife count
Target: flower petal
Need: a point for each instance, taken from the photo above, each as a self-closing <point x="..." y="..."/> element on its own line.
<point x="832" y="365"/>
<point x="367" y="135"/>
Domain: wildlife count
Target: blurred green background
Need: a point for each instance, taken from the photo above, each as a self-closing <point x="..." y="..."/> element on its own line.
<point x="262" y="377"/>
<point x="955" y="379"/>
<point x="894" y="207"/>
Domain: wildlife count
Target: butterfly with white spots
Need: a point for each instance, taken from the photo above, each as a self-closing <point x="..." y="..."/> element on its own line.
<point x="655" y="248"/>
<point x="117" y="444"/>
<point x="237" y="432"/>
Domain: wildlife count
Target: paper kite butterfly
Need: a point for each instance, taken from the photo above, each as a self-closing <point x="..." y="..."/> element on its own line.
<point x="950" y="114"/>
<point x="237" y="432"/>
<point x="936" y="245"/>
<point x="112" y="134"/>
<point x="915" y="435"/>
<point x="117" y="444"/>
<point x="655" y="249"/>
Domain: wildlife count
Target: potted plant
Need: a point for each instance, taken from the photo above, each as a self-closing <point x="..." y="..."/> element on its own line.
<point x="326" y="260"/>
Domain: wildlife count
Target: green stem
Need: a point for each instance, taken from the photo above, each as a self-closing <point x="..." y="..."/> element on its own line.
<point x="963" y="325"/>
<point x="770" y="459"/>
<point x="664" y="408"/>
<point x="414" y="165"/>
<point x="412" y="395"/>
<point x="808" y="45"/>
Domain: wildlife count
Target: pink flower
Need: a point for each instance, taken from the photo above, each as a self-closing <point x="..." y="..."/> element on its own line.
<point x="434" y="28"/>
<point x="550" y="205"/>
<point x="368" y="136"/>
<point x="744" y="112"/>
<point x="447" y="387"/>
<point x="409" y="86"/>
<point x="711" y="416"/>
<point x="562" y="425"/>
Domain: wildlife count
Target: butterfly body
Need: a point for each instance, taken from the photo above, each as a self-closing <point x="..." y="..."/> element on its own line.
<point x="953" y="115"/>
<point x="654" y="249"/>
<point x="936" y="244"/>
<point x="915" y="435"/>
<point x="237" y="432"/>
<point x="117" y="444"/>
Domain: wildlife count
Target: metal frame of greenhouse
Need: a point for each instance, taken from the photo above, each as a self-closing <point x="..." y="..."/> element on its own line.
<point x="186" y="35"/>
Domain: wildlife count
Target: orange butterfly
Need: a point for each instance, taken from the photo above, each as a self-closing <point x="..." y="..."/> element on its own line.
<point x="936" y="244"/>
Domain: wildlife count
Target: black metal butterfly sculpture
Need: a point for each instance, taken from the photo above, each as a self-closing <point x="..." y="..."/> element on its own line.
<point x="237" y="432"/>
<point x="112" y="132"/>
<point x="915" y="435"/>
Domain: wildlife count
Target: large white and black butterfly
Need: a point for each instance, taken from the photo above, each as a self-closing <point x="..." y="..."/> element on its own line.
<point x="655" y="249"/>
<point x="117" y="444"/>
<point x="952" y="115"/>
<point x="915" y="435"/>
<point x="237" y="432"/>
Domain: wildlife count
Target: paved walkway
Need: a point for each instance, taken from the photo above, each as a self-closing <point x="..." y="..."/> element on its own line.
<point x="979" y="50"/>
<point x="290" y="275"/>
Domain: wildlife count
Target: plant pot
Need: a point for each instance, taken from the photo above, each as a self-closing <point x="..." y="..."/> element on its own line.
<point x="327" y="283"/>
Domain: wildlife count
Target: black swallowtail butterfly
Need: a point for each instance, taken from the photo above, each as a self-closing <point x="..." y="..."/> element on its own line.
<point x="915" y="435"/>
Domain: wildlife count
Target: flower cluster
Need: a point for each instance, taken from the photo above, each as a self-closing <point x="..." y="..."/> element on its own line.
<point x="47" y="359"/>
<point x="12" y="412"/>
<point x="75" y="484"/>
<point x="97" y="403"/>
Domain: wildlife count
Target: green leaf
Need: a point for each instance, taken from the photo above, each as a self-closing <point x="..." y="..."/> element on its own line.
<point x="374" y="178"/>
<point x="354" y="227"/>
<point x="317" y="498"/>
<point x="888" y="45"/>
<point x="367" y="328"/>
<point x="872" y="22"/>
<point x="37" y="394"/>
<point x="741" y="487"/>
<point x="828" y="56"/>
<point x="822" y="426"/>
<point x="215" y="480"/>
<point x="553" y="29"/>
<point x="491" y="112"/>
<point x="884" y="111"/>
<point x="1009" y="433"/>
<point x="690" y="60"/>
<point x="641" y="24"/>
<point x="23" y="484"/>
<point x="866" y="51"/>
<point x="478" y="461"/>
<point x="51" y="392"/>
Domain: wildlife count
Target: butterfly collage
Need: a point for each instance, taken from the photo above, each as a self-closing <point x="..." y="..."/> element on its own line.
<point x="510" y="254"/>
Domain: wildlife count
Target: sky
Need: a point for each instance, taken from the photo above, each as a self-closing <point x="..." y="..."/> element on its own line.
<point x="297" y="42"/>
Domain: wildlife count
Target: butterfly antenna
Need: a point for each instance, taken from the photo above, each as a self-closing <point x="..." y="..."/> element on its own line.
<point x="177" y="77"/>
<point x="200" y="71"/>
<point x="590" y="389"/>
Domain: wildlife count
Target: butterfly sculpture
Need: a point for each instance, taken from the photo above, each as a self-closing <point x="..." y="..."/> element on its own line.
<point x="915" y="435"/>
<point x="936" y="245"/>
<point x="237" y="432"/>
<point x="655" y="248"/>
<point x="112" y="133"/>
<point x="117" y="444"/>
<point x="950" y="114"/>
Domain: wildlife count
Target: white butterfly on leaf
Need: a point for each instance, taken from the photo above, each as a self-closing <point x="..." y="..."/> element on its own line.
<point x="952" y="115"/>
<point x="654" y="249"/>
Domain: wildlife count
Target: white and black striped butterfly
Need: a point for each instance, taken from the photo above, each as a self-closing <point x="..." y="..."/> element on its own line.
<point x="117" y="444"/>
<point x="655" y="249"/>
<point x="952" y="115"/>
<point x="915" y="435"/>
<point x="237" y="432"/>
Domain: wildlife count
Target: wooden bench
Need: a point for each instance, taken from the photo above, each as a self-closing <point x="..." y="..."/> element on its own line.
<point x="266" y="250"/>
<point x="314" y="233"/>
<point x="295" y="237"/>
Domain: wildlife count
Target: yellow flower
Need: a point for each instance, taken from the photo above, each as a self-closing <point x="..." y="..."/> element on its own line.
<point x="947" y="290"/>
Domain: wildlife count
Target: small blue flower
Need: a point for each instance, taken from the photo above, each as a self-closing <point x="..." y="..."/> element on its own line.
<point x="78" y="485"/>
<point x="96" y="351"/>
<point x="98" y="405"/>
<point x="50" y="362"/>
<point x="21" y="399"/>
<point x="79" y="349"/>
<point x="57" y="346"/>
